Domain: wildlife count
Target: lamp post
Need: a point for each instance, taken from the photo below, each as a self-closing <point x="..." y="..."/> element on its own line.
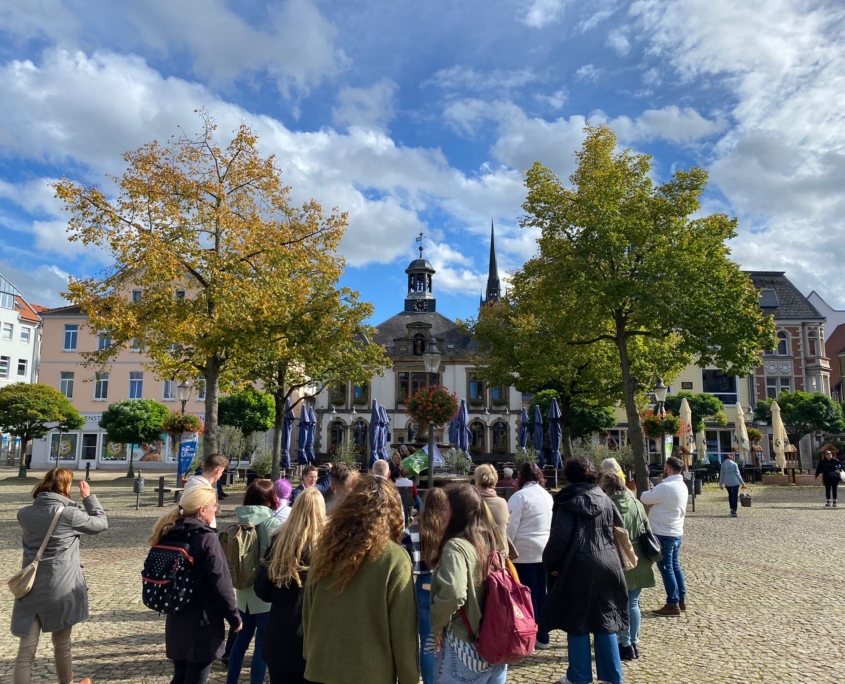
<point x="431" y="358"/>
<point x="660" y="391"/>
<point x="183" y="394"/>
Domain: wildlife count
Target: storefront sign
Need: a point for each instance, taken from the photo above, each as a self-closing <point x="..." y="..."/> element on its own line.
<point x="92" y="417"/>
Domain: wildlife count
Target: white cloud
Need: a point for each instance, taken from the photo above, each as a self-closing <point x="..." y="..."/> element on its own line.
<point x="681" y="126"/>
<point x="588" y="74"/>
<point x="556" y="100"/>
<point x="33" y="19"/>
<point x="42" y="285"/>
<point x="467" y="78"/>
<point x="295" y="45"/>
<point x="368" y="107"/>
<point x="465" y="115"/>
<point x="618" y="42"/>
<point x="540" y="13"/>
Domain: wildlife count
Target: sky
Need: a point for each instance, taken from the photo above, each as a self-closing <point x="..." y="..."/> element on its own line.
<point x="423" y="117"/>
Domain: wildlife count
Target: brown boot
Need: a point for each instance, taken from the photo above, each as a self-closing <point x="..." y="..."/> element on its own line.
<point x="667" y="611"/>
<point x="683" y="606"/>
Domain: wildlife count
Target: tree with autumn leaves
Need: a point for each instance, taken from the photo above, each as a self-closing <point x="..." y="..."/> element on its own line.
<point x="226" y="266"/>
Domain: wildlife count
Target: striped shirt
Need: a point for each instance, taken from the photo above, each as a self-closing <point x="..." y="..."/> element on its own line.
<point x="412" y="544"/>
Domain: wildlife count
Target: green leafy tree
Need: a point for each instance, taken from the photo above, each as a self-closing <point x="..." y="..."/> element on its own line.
<point x="583" y="421"/>
<point x="632" y="264"/>
<point x="702" y="406"/>
<point x="31" y="411"/>
<point x="134" y="421"/>
<point x="248" y="410"/>
<point x="803" y="413"/>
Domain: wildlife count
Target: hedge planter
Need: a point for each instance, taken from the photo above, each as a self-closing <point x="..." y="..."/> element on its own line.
<point x="775" y="479"/>
<point x="807" y="480"/>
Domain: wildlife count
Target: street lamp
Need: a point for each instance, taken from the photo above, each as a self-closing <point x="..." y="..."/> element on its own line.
<point x="660" y="391"/>
<point x="431" y="358"/>
<point x="183" y="393"/>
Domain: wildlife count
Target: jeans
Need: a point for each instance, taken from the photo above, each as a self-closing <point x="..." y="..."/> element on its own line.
<point x="190" y="673"/>
<point x="608" y="663"/>
<point x="450" y="670"/>
<point x="26" y="655"/>
<point x="424" y="612"/>
<point x="670" y="570"/>
<point x="629" y="636"/>
<point x="253" y="624"/>
<point x="533" y="576"/>
<point x="830" y="487"/>
<point x="733" y="497"/>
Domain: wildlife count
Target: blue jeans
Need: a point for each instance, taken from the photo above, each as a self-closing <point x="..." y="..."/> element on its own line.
<point x="631" y="635"/>
<point x="670" y="570"/>
<point x="533" y="576"/>
<point x="733" y="497"/>
<point x="253" y="625"/>
<point x="424" y="612"/>
<point x="450" y="670"/>
<point x="608" y="663"/>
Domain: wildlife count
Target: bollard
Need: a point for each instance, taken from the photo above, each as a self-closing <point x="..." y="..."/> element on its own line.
<point x="88" y="471"/>
<point x="138" y="488"/>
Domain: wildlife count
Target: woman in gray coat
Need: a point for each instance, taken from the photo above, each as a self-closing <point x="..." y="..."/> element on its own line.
<point x="59" y="595"/>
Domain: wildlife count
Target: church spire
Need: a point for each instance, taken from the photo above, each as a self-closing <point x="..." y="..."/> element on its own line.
<point x="494" y="290"/>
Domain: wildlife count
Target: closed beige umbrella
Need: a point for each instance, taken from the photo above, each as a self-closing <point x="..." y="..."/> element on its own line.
<point x="701" y="447"/>
<point x="687" y="438"/>
<point x="741" y="442"/>
<point x="779" y="437"/>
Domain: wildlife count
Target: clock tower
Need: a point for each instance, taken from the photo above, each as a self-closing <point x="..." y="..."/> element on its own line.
<point x="420" y="298"/>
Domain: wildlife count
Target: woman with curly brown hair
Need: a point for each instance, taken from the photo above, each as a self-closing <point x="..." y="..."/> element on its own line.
<point x="359" y="615"/>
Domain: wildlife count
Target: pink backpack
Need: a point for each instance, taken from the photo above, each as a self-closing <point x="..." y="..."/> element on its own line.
<point x="508" y="630"/>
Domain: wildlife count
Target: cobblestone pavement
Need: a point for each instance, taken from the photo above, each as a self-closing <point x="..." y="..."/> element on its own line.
<point x="765" y="596"/>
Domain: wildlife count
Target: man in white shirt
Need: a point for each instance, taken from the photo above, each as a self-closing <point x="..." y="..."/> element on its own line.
<point x="213" y="468"/>
<point x="668" y="502"/>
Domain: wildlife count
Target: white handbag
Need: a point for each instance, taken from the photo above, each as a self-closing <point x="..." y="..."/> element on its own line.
<point x="20" y="584"/>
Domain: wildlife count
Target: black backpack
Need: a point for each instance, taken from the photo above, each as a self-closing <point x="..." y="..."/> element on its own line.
<point x="168" y="578"/>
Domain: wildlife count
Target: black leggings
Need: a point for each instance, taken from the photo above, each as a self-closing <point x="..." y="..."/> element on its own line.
<point x="190" y="673"/>
<point x="830" y="487"/>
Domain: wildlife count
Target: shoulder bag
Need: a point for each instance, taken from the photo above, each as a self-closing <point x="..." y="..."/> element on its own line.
<point x="20" y="584"/>
<point x="627" y="555"/>
<point x="648" y="540"/>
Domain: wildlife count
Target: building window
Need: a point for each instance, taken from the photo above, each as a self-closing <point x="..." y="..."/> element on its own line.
<point x="783" y="344"/>
<point x="101" y="386"/>
<point x="7" y="301"/>
<point x="135" y="345"/>
<point x="476" y="442"/>
<point x="812" y="343"/>
<point x="336" y="433"/>
<point x="719" y="384"/>
<point x="419" y="344"/>
<point x="4" y="366"/>
<point x="409" y="384"/>
<point x="360" y="395"/>
<point x="476" y="391"/>
<point x="169" y="393"/>
<point x="8" y="331"/>
<point x="180" y="294"/>
<point x="21" y="367"/>
<point x="359" y="434"/>
<point x="199" y="385"/>
<point x="25" y="334"/>
<point x="89" y="447"/>
<point x="71" y="334"/>
<point x="500" y="437"/>
<point x="776" y="385"/>
<point x="499" y="396"/>
<point x="136" y="295"/>
<point x="136" y="385"/>
<point x="66" y="384"/>
<point x="338" y="394"/>
<point x="103" y="340"/>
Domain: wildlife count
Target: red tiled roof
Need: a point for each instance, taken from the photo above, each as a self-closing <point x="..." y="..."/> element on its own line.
<point x="26" y="311"/>
<point x="38" y="308"/>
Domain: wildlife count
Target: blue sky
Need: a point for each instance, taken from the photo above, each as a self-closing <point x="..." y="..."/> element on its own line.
<point x="423" y="116"/>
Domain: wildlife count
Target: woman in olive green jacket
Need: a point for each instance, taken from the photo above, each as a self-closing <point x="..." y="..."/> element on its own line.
<point x="640" y="577"/>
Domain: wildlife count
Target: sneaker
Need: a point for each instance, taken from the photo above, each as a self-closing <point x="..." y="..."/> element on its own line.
<point x="683" y="606"/>
<point x="636" y="650"/>
<point x="733" y="514"/>
<point x="627" y="652"/>
<point x="667" y="611"/>
<point x="834" y="504"/>
<point x="827" y="505"/>
<point x="541" y="646"/>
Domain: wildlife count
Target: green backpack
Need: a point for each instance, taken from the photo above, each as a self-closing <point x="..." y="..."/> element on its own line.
<point x="243" y="553"/>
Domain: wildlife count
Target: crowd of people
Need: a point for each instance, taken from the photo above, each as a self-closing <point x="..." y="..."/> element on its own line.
<point x="353" y="591"/>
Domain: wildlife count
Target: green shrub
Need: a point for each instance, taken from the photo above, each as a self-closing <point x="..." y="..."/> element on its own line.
<point x="457" y="461"/>
<point x="262" y="462"/>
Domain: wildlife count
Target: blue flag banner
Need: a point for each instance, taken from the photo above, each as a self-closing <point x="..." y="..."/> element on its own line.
<point x="187" y="450"/>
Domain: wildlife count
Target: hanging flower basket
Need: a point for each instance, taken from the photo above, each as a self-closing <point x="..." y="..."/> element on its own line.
<point x="654" y="426"/>
<point x="175" y="424"/>
<point x="754" y="434"/>
<point x="433" y="405"/>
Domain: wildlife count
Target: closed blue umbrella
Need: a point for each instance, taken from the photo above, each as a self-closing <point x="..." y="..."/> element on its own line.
<point x="464" y="434"/>
<point x="538" y="436"/>
<point x="384" y="427"/>
<point x="312" y="434"/>
<point x="554" y="434"/>
<point x="453" y="431"/>
<point x="373" y="432"/>
<point x="301" y="453"/>
<point x="286" y="430"/>
<point x="523" y="429"/>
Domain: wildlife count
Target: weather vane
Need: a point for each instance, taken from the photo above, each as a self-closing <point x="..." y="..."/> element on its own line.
<point x="420" y="239"/>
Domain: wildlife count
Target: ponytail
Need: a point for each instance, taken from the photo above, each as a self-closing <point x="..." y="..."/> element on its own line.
<point x="163" y="525"/>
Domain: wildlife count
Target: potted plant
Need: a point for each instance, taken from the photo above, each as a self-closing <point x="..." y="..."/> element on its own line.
<point x="476" y="402"/>
<point x="654" y="426"/>
<point x="754" y="435"/>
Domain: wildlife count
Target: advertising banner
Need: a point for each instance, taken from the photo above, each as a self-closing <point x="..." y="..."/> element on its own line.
<point x="187" y="451"/>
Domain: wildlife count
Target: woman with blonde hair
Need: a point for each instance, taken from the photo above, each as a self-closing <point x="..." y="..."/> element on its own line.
<point x="281" y="581"/>
<point x="486" y="478"/>
<point x="360" y="572"/>
<point x="611" y="465"/>
<point x="59" y="596"/>
<point x="422" y="542"/>
<point x="195" y="637"/>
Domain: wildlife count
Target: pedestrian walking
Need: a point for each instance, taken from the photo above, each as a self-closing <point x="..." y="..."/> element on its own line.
<point x="641" y="577"/>
<point x="283" y="489"/>
<point x="668" y="502"/>
<point x="530" y="510"/>
<point x="731" y="478"/>
<point x="359" y="614"/>
<point x="422" y="541"/>
<point x="256" y="516"/>
<point x="212" y="469"/>
<point x="587" y="593"/>
<point x="58" y="598"/>
<point x="829" y="468"/>
<point x="486" y="478"/>
<point x="459" y="590"/>
<point x="194" y="638"/>
<point x="281" y="583"/>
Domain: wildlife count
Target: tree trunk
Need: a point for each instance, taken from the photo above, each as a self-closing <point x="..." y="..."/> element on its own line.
<point x="636" y="438"/>
<point x="565" y="405"/>
<point x="210" y="438"/>
<point x="22" y="463"/>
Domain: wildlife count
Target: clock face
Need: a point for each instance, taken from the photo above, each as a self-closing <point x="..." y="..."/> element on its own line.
<point x="421" y="305"/>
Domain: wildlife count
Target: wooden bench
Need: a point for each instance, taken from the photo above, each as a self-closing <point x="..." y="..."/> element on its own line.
<point x="162" y="490"/>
